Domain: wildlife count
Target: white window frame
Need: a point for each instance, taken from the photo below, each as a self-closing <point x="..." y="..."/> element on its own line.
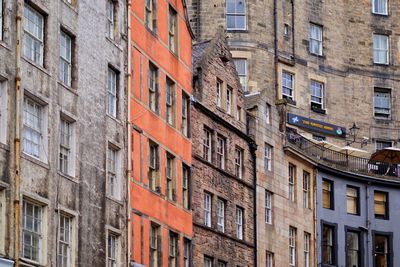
<point x="316" y="39"/>
<point x="185" y="186"/>
<point x="3" y="110"/>
<point x="112" y="92"/>
<point x="377" y="49"/>
<point x="286" y="86"/>
<point x="170" y="173"/>
<point x="221" y="151"/>
<point x="173" y="255"/>
<point x="268" y="207"/>
<point x="39" y="130"/>
<point x="379" y="12"/>
<point x="208" y="262"/>
<point x="221" y="215"/>
<point x="306" y="190"/>
<point x="292" y="246"/>
<point x="242" y="75"/>
<point x="186" y="252"/>
<point x="150" y="15"/>
<point x="66" y="159"/>
<point x="229" y="99"/>
<point x="185" y="114"/>
<point x="207" y="209"/>
<point x="40" y="233"/>
<point x="292" y="182"/>
<point x="307" y="239"/>
<point x="172" y="29"/>
<point x="219" y="93"/>
<point x="155" y="244"/>
<point x="110" y="9"/>
<point x="113" y="172"/>
<point x="207" y="137"/>
<point x="268" y="113"/>
<point x="112" y="249"/>
<point x="315" y="98"/>
<point x="270" y="259"/>
<point x="386" y="142"/>
<point x="268" y="157"/>
<point x="65" y="73"/>
<point x="236" y="14"/>
<point x="62" y="241"/>
<point x="170" y="101"/>
<point x="239" y="162"/>
<point x="34" y="32"/>
<point x="382" y="112"/>
<point x="239" y="222"/>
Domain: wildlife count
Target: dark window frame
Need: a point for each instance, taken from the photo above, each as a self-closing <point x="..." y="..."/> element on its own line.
<point x="361" y="249"/>
<point x="358" y="206"/>
<point x="332" y="195"/>
<point x="334" y="227"/>
<point x="389" y="235"/>
<point x="387" y="210"/>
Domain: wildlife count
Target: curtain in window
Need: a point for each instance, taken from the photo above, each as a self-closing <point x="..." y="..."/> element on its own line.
<point x="381" y="43"/>
<point x="380" y="203"/>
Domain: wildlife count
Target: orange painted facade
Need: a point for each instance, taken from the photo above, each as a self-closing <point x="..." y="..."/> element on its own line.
<point x="149" y="206"/>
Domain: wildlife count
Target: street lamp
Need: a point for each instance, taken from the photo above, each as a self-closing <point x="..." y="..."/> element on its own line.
<point x="353" y="131"/>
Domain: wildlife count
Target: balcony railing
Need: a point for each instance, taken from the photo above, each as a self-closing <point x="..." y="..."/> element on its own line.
<point x="340" y="160"/>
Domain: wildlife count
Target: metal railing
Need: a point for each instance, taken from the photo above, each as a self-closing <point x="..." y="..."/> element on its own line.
<point x="340" y="160"/>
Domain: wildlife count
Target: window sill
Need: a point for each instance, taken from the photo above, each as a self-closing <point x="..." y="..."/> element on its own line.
<point x="35" y="160"/>
<point x="41" y="68"/>
<point x="318" y="110"/>
<point x="322" y="56"/>
<point x="152" y="32"/>
<point x="381" y="64"/>
<point x="237" y="30"/>
<point x="115" y="43"/>
<point x="4" y="146"/>
<point x="69" y="88"/>
<point x="289" y="101"/>
<point x="114" y="118"/>
<point x="382" y="120"/>
<point x="69" y="177"/>
<point x="380" y="14"/>
<point x="28" y="262"/>
<point x="5" y="45"/>
<point x="71" y="6"/>
<point x="120" y="202"/>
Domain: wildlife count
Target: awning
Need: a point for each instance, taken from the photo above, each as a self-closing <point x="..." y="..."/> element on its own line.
<point x="388" y="155"/>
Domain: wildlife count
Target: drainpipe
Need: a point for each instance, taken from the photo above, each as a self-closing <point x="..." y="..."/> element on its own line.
<point x="128" y="96"/>
<point x="367" y="221"/>
<point x="17" y="139"/>
<point x="253" y="149"/>
<point x="276" y="47"/>
<point x="293" y="48"/>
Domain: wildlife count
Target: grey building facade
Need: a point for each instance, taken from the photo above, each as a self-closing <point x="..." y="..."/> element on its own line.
<point x="357" y="220"/>
<point x="63" y="124"/>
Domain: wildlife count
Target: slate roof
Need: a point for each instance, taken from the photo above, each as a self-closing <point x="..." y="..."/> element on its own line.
<point x="198" y="51"/>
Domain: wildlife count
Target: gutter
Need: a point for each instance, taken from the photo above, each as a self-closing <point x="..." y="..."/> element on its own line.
<point x="17" y="138"/>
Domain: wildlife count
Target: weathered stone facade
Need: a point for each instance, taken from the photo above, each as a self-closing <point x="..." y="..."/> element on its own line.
<point x="345" y="68"/>
<point x="80" y="194"/>
<point x="220" y="240"/>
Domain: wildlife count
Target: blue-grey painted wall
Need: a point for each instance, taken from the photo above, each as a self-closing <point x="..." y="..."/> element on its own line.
<point x="365" y="222"/>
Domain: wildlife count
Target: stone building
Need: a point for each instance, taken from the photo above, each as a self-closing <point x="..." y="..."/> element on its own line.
<point x="63" y="127"/>
<point x="333" y="62"/>
<point x="160" y="134"/>
<point x="223" y="174"/>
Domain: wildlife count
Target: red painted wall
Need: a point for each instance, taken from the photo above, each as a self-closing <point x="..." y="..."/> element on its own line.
<point x="148" y="206"/>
